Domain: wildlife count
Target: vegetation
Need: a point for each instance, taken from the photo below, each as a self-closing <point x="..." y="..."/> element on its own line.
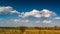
<point x="30" y="30"/>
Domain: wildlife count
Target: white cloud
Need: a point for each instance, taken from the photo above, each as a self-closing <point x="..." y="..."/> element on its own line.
<point x="15" y="12"/>
<point x="37" y="22"/>
<point x="7" y="10"/>
<point x="57" y="18"/>
<point x="47" y="13"/>
<point x="31" y="13"/>
<point x="34" y="13"/>
<point x="25" y="21"/>
<point x="20" y="21"/>
<point x="46" y="21"/>
<point x="16" y="20"/>
<point x="38" y="14"/>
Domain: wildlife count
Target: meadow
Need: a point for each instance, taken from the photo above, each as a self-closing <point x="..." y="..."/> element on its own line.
<point x="29" y="30"/>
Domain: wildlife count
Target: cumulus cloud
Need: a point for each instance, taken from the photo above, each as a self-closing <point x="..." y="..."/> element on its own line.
<point x="20" y="21"/>
<point x="15" y="12"/>
<point x="37" y="21"/>
<point x="46" y="21"/>
<point x="47" y="13"/>
<point x="34" y="13"/>
<point x="24" y="21"/>
<point x="31" y="13"/>
<point x="38" y="14"/>
<point x="16" y="20"/>
<point x="7" y="10"/>
<point x="57" y="18"/>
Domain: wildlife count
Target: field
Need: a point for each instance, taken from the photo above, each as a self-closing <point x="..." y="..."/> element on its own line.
<point x="25" y="30"/>
<point x="42" y="32"/>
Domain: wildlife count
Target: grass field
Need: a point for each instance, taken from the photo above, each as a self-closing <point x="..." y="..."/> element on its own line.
<point x="17" y="30"/>
<point x="42" y="32"/>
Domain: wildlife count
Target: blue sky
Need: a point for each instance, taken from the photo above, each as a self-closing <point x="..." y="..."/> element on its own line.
<point x="45" y="13"/>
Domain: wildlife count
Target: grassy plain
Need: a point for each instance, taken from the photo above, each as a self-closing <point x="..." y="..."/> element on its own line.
<point x="30" y="30"/>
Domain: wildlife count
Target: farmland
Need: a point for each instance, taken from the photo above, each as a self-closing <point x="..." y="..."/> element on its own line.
<point x="29" y="30"/>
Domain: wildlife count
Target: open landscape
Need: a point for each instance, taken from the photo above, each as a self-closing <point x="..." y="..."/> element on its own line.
<point x="29" y="30"/>
<point x="29" y="16"/>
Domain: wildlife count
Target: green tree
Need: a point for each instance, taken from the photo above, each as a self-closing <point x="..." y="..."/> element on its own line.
<point x="22" y="28"/>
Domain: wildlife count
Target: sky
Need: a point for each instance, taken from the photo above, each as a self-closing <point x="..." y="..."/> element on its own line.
<point x="30" y="13"/>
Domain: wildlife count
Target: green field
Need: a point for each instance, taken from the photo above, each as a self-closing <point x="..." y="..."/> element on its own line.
<point x="29" y="30"/>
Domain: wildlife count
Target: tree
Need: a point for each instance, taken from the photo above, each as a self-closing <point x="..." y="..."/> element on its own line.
<point x="55" y="27"/>
<point x="22" y="28"/>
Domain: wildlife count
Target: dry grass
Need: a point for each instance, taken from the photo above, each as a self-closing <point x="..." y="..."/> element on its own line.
<point x="28" y="31"/>
<point x="42" y="32"/>
<point x="5" y="31"/>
